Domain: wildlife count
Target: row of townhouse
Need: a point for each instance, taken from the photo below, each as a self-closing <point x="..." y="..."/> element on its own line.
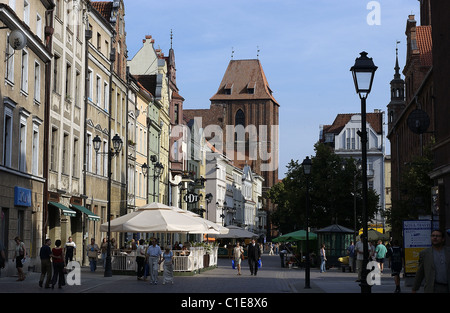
<point x="67" y="95"/>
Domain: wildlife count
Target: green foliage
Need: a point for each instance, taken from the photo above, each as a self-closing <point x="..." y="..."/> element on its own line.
<point x="331" y="188"/>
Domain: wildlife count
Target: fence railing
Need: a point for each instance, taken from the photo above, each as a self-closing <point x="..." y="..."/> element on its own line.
<point x="196" y="260"/>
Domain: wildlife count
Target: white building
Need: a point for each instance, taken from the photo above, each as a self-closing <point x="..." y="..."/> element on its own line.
<point x="343" y="136"/>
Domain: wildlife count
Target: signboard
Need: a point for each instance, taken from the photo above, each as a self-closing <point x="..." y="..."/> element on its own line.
<point x="191" y="198"/>
<point x="22" y="196"/>
<point x="416" y="237"/>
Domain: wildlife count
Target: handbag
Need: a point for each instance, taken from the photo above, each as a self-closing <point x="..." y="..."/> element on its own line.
<point x="232" y="264"/>
<point x="259" y="263"/>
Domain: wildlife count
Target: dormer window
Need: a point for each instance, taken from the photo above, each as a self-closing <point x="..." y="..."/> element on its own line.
<point x="251" y="88"/>
<point x="227" y="89"/>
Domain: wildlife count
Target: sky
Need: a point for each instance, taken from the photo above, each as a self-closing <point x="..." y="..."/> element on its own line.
<point x="306" y="48"/>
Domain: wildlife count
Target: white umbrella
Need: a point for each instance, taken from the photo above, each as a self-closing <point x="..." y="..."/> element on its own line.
<point x="236" y="232"/>
<point x="155" y="217"/>
<point x="213" y="228"/>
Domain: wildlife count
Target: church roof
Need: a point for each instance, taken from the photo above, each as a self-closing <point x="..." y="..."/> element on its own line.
<point x="244" y="80"/>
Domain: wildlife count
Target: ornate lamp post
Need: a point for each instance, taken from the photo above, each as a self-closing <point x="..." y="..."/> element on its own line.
<point x="363" y="73"/>
<point x="117" y="147"/>
<point x="307" y="165"/>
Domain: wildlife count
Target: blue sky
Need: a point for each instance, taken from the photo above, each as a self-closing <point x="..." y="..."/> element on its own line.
<point x="306" y="49"/>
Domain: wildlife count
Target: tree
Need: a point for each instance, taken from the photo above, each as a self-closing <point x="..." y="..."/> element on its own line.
<point x="334" y="184"/>
<point x="415" y="189"/>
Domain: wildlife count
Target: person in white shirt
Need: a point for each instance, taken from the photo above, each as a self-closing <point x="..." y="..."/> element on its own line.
<point x="154" y="259"/>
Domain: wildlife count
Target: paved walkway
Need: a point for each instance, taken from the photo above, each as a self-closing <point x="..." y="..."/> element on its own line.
<point x="271" y="278"/>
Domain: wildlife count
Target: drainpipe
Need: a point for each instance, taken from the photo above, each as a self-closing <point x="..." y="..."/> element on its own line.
<point x="48" y="71"/>
<point x="87" y="37"/>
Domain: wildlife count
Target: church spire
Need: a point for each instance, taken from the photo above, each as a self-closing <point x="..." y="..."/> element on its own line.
<point x="397" y="103"/>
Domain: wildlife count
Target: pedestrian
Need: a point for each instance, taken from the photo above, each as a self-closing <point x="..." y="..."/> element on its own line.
<point x="69" y="250"/>
<point x="434" y="266"/>
<point x="238" y="255"/>
<point x="3" y="258"/>
<point x="104" y="250"/>
<point x="371" y="251"/>
<point x="380" y="254"/>
<point x="254" y="255"/>
<point x="270" y="248"/>
<point x="20" y="254"/>
<point x="323" y="259"/>
<point x="351" y="256"/>
<point x="359" y="248"/>
<point x="154" y="257"/>
<point x="92" y="253"/>
<point x="167" y="258"/>
<point x="58" y="265"/>
<point x="140" y="259"/>
<point x="45" y="254"/>
<point x="396" y="259"/>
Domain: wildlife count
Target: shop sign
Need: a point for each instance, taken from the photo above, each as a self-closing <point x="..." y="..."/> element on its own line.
<point x="22" y="196"/>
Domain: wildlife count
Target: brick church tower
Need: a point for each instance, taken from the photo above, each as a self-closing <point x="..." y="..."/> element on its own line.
<point x="248" y="114"/>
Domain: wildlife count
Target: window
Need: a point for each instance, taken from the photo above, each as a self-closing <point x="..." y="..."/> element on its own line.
<point x="68" y="81"/>
<point x="240" y="118"/>
<point x="38" y="26"/>
<point x="99" y="42"/>
<point x="75" y="158"/>
<point x="53" y="149"/>
<point x="9" y="75"/>
<point x="77" y="90"/>
<point x="88" y="152"/>
<point x="65" y="154"/>
<point x="35" y="151"/>
<point x="37" y="82"/>
<point x="89" y="90"/>
<point x="106" y="96"/>
<point x="58" y="8"/>
<point x="24" y="72"/>
<point x="22" y="145"/>
<point x="98" y="163"/>
<point x="99" y="90"/>
<point x="7" y="137"/>
<point x="26" y="12"/>
<point x="105" y="158"/>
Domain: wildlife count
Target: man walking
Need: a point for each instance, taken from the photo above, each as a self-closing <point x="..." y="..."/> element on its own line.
<point x="380" y="254"/>
<point x="46" y="265"/>
<point x="434" y="266"/>
<point x="154" y="259"/>
<point x="254" y="255"/>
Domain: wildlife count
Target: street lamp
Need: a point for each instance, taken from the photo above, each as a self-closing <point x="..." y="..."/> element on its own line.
<point x="158" y="169"/>
<point x="307" y="165"/>
<point x="117" y="147"/>
<point x="363" y="72"/>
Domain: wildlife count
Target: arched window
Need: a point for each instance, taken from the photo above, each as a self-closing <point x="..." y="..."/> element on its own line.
<point x="239" y="118"/>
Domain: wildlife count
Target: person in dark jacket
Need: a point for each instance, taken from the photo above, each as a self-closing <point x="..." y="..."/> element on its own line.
<point x="254" y="255"/>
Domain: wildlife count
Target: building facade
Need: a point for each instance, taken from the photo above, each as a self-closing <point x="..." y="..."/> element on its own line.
<point x="24" y="105"/>
<point x="343" y="137"/>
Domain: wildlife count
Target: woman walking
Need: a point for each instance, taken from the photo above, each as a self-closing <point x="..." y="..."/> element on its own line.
<point x="323" y="259"/>
<point x="58" y="265"/>
<point x="168" y="265"/>
<point x="238" y="255"/>
<point x="20" y="255"/>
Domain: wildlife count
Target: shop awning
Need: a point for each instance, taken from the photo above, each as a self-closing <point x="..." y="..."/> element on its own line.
<point x="65" y="210"/>
<point x="82" y="209"/>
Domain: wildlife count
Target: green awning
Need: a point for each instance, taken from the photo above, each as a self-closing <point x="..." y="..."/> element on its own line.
<point x="65" y="210"/>
<point x="86" y="211"/>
